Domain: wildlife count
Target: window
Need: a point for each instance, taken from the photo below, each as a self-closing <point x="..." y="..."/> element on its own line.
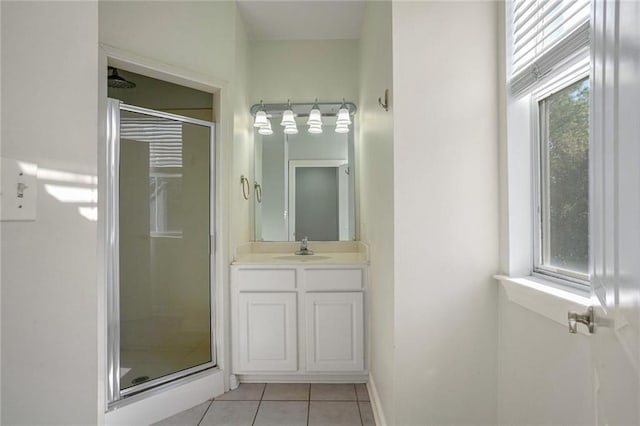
<point x="563" y="183"/>
<point x="548" y="129"/>
<point x="165" y="205"/>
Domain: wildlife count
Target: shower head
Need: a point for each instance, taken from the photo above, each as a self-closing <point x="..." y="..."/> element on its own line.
<point x="115" y="81"/>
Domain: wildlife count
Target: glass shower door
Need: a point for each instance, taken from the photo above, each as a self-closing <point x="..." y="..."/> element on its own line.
<point x="161" y="305"/>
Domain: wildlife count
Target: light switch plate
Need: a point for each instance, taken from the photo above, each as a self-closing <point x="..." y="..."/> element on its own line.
<point x="18" y="190"/>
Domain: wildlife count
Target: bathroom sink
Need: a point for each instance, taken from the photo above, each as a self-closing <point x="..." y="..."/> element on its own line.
<point x="302" y="258"/>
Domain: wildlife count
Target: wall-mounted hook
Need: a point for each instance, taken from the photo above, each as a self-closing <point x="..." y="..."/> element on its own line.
<point x="385" y="104"/>
<point x="245" y="186"/>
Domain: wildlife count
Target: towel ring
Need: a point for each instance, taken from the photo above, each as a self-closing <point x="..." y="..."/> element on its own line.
<point x="245" y="187"/>
<point x="384" y="104"/>
<point x="257" y="189"/>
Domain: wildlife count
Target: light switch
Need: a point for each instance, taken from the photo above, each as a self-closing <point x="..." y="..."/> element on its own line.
<point x="19" y="190"/>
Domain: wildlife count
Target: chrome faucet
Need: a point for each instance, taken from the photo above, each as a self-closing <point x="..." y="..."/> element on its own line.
<point x="304" y="249"/>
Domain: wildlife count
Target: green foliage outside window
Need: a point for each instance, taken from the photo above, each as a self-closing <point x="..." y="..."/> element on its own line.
<point x="565" y="178"/>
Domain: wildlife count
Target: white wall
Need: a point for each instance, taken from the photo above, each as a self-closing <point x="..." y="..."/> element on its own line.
<point x="49" y="324"/>
<point x="240" y="210"/>
<point x="446" y="211"/>
<point x="240" y="219"/>
<point x="374" y="167"/>
<point x="543" y="370"/>
<point x="0" y="226"/>
<point x="197" y="36"/>
<point x="304" y="70"/>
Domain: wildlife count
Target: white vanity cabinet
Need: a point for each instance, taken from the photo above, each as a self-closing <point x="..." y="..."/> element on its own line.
<point x="335" y="331"/>
<point x="267" y="325"/>
<point x="298" y="322"/>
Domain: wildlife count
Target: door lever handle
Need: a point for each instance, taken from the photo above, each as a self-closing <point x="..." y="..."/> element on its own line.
<point x="586" y="318"/>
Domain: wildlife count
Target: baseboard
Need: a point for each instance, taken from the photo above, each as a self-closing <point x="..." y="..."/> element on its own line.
<point x="302" y="378"/>
<point x="376" y="405"/>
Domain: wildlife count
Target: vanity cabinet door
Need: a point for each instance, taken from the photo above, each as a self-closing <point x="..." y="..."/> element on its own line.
<point x="335" y="331"/>
<point x="267" y="332"/>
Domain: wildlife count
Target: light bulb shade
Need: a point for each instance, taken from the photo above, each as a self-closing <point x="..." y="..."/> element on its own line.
<point x="291" y="130"/>
<point x="288" y="119"/>
<point x="343" y="116"/>
<point x="261" y="119"/>
<point x="266" y="130"/>
<point x="315" y="129"/>
<point x="315" y="117"/>
<point x="342" y="128"/>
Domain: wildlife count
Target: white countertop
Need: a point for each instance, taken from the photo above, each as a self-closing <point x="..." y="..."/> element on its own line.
<point x="292" y="259"/>
<point x="325" y="253"/>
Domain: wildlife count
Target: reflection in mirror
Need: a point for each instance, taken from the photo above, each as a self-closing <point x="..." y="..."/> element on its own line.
<point x="314" y="207"/>
<point x="306" y="181"/>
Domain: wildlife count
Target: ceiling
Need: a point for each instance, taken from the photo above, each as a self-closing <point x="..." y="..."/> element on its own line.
<point x="302" y="19"/>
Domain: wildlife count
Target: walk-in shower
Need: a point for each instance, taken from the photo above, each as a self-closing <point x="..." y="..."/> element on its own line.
<point x="160" y="218"/>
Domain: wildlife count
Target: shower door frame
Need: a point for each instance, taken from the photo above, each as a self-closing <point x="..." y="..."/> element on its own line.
<point x="115" y="396"/>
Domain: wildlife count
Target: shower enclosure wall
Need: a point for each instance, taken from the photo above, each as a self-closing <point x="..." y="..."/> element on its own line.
<point x="161" y="222"/>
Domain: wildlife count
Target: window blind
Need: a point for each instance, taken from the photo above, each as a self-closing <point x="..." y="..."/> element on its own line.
<point x="164" y="138"/>
<point x="545" y="33"/>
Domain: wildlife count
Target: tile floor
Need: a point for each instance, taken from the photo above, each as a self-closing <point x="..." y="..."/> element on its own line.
<point x="282" y="404"/>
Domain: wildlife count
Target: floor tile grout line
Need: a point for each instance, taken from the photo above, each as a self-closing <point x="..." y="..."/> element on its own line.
<point x="205" y="411"/>
<point x="335" y="400"/>
<point x="358" y="405"/>
<point x="309" y="405"/>
<point x="264" y="389"/>
<point x="255" y="417"/>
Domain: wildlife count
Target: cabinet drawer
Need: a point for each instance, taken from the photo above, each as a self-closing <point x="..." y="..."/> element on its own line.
<point x="266" y="279"/>
<point x="333" y="279"/>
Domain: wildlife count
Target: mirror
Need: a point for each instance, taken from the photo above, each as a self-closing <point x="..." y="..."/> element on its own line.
<point x="304" y="182"/>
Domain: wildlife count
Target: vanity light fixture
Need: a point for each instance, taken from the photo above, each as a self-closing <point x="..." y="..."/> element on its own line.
<point x="315" y="119"/>
<point x="343" y="120"/>
<point x="261" y="119"/>
<point x="315" y="129"/>
<point x="266" y="130"/>
<point x="288" y="117"/>
<point x="314" y="112"/>
<point x="291" y="130"/>
<point x="342" y="128"/>
<point x="289" y="120"/>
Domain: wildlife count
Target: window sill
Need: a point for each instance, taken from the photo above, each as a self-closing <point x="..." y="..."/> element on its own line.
<point x="545" y="298"/>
